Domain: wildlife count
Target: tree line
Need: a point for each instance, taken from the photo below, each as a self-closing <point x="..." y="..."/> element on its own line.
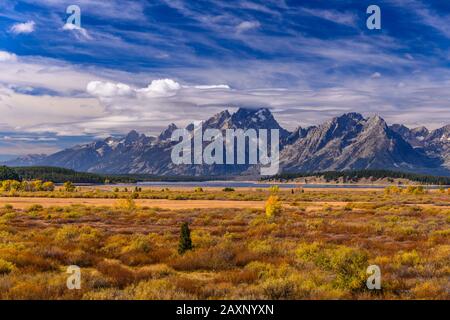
<point x="59" y="175"/>
<point x="356" y="175"/>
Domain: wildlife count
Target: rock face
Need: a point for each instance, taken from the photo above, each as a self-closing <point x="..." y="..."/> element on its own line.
<point x="352" y="142"/>
<point x="434" y="143"/>
<point x="343" y="143"/>
<point x="26" y="161"/>
<point x="167" y="134"/>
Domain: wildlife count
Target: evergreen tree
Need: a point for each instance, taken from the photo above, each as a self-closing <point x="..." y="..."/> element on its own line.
<point x="185" y="239"/>
<point x="8" y="174"/>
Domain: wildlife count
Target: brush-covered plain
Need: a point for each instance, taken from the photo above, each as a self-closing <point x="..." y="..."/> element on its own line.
<point x="305" y="245"/>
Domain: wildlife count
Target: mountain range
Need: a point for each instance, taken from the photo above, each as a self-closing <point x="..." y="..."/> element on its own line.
<point x="347" y="142"/>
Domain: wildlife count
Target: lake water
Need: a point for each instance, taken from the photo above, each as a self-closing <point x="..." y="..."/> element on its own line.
<point x="250" y="184"/>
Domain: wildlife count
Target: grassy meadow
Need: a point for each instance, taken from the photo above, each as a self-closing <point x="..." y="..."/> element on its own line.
<point x="288" y="244"/>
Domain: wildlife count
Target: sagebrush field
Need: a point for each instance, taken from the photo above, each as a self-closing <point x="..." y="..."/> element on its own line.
<point x="300" y="244"/>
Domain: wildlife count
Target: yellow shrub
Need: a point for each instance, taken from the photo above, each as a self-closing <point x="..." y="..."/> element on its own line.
<point x="156" y="290"/>
<point x="201" y="238"/>
<point x="429" y="289"/>
<point x="114" y="244"/>
<point x="139" y="243"/>
<point x="261" y="247"/>
<point x="392" y="190"/>
<point x="273" y="206"/>
<point x="6" y="267"/>
<point x="308" y="251"/>
<point x="348" y="264"/>
<point x="48" y="186"/>
<point x="72" y="234"/>
<point x="408" y="258"/>
<point x="274" y="189"/>
<point x="414" y="190"/>
<point x="69" y="187"/>
<point x="127" y="204"/>
<point x="276" y="289"/>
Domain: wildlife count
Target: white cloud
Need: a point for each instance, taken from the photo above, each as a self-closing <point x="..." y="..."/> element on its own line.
<point x="108" y="89"/>
<point x="161" y="88"/>
<point x="375" y="75"/>
<point x="295" y="107"/>
<point x="26" y="27"/>
<point x="247" y="25"/>
<point x="427" y="16"/>
<point x="78" y="31"/>
<point x="122" y="10"/>
<point x="156" y="89"/>
<point x="9" y="138"/>
<point x="26" y="113"/>
<point x="7" y="57"/>
<point x="344" y="18"/>
<point x="212" y="87"/>
<point x="101" y="102"/>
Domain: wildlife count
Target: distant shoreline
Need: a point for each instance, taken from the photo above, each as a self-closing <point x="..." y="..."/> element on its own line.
<point x="259" y="184"/>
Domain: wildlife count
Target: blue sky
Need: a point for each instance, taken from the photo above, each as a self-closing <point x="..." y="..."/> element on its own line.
<point x="143" y="64"/>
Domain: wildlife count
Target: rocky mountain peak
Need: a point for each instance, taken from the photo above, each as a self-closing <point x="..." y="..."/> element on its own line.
<point x="420" y="131"/>
<point x="347" y="142"/>
<point x="351" y="116"/>
<point x="400" y="129"/>
<point x="442" y="134"/>
<point x="377" y="121"/>
<point x="132" y="136"/>
<point x="225" y="114"/>
<point x="262" y="118"/>
<point x="298" y="133"/>
<point x="218" y="121"/>
<point x="166" y="134"/>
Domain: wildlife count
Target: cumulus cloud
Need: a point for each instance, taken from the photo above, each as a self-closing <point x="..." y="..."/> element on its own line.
<point x="247" y="25"/>
<point x="171" y="101"/>
<point x="7" y="57"/>
<point x="108" y="89"/>
<point x="26" y="27"/>
<point x="97" y="102"/>
<point x="156" y="89"/>
<point x="161" y="88"/>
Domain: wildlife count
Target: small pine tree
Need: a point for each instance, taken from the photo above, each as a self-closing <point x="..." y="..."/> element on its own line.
<point x="185" y="239"/>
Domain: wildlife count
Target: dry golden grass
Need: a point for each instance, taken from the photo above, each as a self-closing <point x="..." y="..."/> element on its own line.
<point x="23" y="202"/>
<point x="317" y="246"/>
